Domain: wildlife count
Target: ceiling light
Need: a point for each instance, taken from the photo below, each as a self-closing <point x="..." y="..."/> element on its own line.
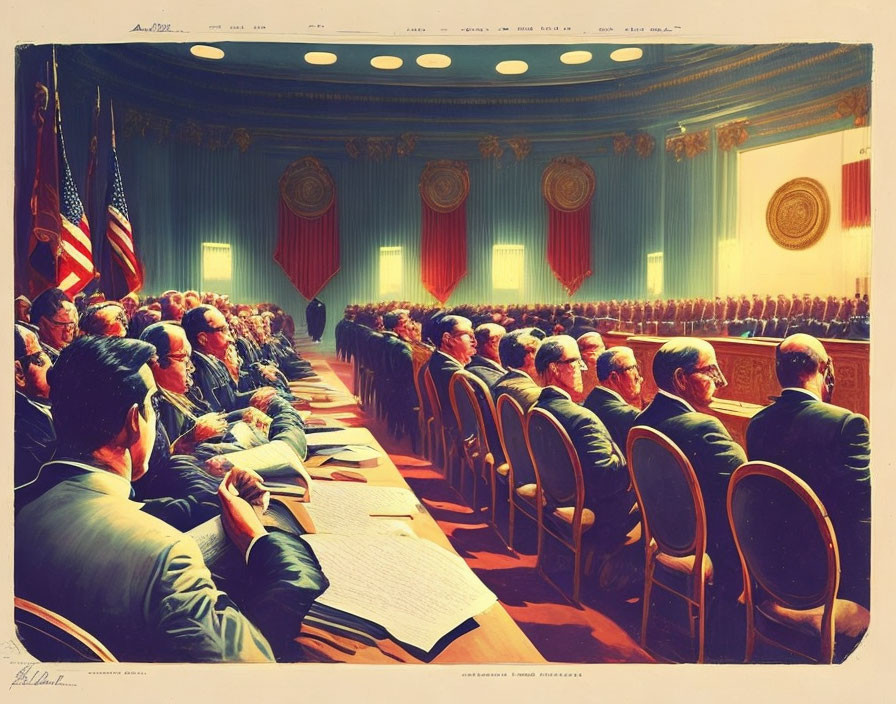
<point x="433" y="61"/>
<point x="320" y="58"/>
<point x="630" y="53"/>
<point x="512" y="68"/>
<point x="203" y="51"/>
<point x="386" y="63"/>
<point x="576" y="57"/>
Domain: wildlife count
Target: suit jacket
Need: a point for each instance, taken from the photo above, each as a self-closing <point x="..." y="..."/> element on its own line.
<point x="486" y="369"/>
<point x="828" y="448"/>
<point x="714" y="455"/>
<point x="35" y="437"/>
<point x="84" y="550"/>
<point x="519" y="386"/>
<point x="604" y="470"/>
<point x="442" y="368"/>
<point x="614" y="412"/>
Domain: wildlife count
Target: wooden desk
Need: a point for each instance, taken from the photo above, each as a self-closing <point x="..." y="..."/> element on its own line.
<point x="498" y="639"/>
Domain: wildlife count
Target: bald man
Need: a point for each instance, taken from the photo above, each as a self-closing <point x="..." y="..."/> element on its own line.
<point x="486" y="363"/>
<point x="591" y="345"/>
<point x="687" y="376"/>
<point x="826" y="446"/>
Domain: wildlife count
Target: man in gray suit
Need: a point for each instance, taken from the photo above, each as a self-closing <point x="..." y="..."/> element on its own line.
<point x="86" y="551"/>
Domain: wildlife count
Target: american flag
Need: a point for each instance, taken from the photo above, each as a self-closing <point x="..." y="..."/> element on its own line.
<point x="75" y="265"/>
<point x="118" y="228"/>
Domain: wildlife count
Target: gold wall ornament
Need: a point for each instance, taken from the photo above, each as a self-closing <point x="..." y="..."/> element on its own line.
<point x="621" y="143"/>
<point x="568" y="183"/>
<point x="380" y="148"/>
<point x="406" y="144"/>
<point x="732" y="135"/>
<point x="798" y="213"/>
<point x="490" y="147"/>
<point x="241" y="138"/>
<point x="353" y="147"/>
<point x="854" y="103"/>
<point x="688" y="145"/>
<point x="307" y="187"/>
<point x="644" y="144"/>
<point x="444" y="185"/>
<point x="191" y="133"/>
<point x="520" y="146"/>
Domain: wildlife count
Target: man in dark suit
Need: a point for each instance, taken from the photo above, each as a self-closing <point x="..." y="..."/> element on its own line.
<point x="687" y="375"/>
<point x="607" y="490"/>
<point x="616" y="401"/>
<point x="486" y="363"/>
<point x="517" y="351"/>
<point x="591" y="345"/>
<point x="455" y="346"/>
<point x="826" y="446"/>
<point x="35" y="439"/>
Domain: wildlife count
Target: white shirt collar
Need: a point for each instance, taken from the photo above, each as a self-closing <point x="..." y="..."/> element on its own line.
<point x="802" y="391"/>
<point x="677" y="398"/>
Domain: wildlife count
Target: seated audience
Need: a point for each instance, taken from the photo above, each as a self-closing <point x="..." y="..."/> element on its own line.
<point x="591" y="344"/>
<point x="617" y="401"/>
<point x="56" y="319"/>
<point x="486" y="363"/>
<point x="108" y="319"/>
<point x="35" y="439"/>
<point x="137" y="584"/>
<point x="22" y="309"/>
<point x="455" y="346"/>
<point x="826" y="446"/>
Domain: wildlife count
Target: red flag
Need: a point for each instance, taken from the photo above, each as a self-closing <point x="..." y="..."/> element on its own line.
<point x="46" y="221"/>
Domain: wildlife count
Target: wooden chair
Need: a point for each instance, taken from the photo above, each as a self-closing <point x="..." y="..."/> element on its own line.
<point x="522" y="486"/>
<point x="496" y="467"/>
<point x="474" y="452"/>
<point x="425" y="418"/>
<point x="791" y="564"/>
<point x="560" y="491"/>
<point x="53" y="638"/>
<point x="445" y="440"/>
<point x="673" y="523"/>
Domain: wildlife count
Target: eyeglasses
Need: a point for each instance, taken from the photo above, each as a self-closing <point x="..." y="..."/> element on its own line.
<point x="713" y="372"/>
<point x="629" y="368"/>
<point x="180" y="358"/>
<point x="68" y="325"/>
<point x="576" y="360"/>
<point x="38" y="359"/>
<point x="223" y="328"/>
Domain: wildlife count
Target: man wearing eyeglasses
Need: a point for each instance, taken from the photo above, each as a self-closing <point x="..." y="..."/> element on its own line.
<point x="825" y="445"/>
<point x="35" y="438"/>
<point x="591" y="345"/>
<point x="617" y="400"/>
<point x="456" y="345"/>
<point x="56" y="319"/>
<point x="687" y="376"/>
<point x="607" y="490"/>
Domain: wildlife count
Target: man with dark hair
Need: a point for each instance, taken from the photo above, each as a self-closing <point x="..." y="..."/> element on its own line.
<point x="486" y="363"/>
<point x="172" y="303"/>
<point x="826" y="446"/>
<point x="607" y="490"/>
<point x="591" y="344"/>
<point x="687" y="374"/>
<point x="83" y="550"/>
<point x="108" y="319"/>
<point x="617" y="400"/>
<point x="56" y="319"/>
<point x="455" y="346"/>
<point x="35" y="439"/>
<point x="517" y="350"/>
<point x="209" y="335"/>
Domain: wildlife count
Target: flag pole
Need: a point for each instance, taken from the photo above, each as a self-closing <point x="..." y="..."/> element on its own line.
<point x="112" y="115"/>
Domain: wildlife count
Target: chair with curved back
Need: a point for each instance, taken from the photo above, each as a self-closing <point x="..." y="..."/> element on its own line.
<point x="673" y="523"/>
<point x="471" y="432"/>
<point x="560" y="492"/>
<point x="445" y="439"/>
<point x="495" y="462"/>
<point x="522" y="484"/>
<point x="791" y="564"/>
<point x="53" y="638"/>
<point x="425" y="418"/>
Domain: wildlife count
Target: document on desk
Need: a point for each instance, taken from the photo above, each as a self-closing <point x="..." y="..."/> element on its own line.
<point x="415" y="589"/>
<point x="349" y="436"/>
<point x="348" y="507"/>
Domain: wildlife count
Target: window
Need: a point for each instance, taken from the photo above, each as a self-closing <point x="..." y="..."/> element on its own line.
<point x="654" y="273"/>
<point x="217" y="267"/>
<point x="390" y="271"/>
<point x="507" y="267"/>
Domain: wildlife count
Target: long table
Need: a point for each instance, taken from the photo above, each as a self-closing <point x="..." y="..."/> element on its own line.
<point x="498" y="639"/>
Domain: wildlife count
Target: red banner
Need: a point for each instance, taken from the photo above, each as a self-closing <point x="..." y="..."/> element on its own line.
<point x="46" y="220"/>
<point x="443" y="257"/>
<point x="856" y="210"/>
<point x="308" y="248"/>
<point x="569" y="245"/>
